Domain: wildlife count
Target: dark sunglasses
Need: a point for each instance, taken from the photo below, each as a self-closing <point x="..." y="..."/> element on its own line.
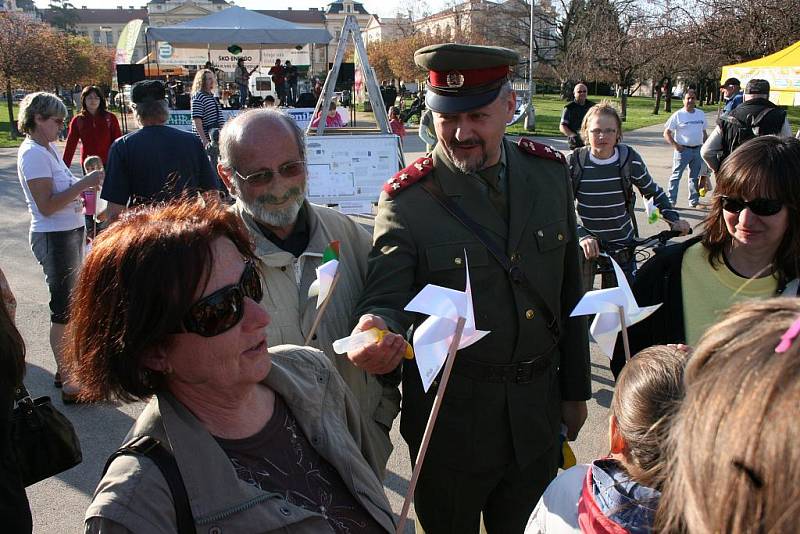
<point x="223" y="309"/>
<point x="763" y="207"/>
<point x="287" y="170"/>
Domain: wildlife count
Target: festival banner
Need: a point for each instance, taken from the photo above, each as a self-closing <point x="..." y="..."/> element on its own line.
<point x="127" y="42"/>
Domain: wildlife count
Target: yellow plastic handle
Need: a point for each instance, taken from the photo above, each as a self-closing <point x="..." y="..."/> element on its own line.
<point x="409" y="355"/>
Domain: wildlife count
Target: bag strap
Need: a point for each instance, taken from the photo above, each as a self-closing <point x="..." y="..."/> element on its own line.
<point x="514" y="271"/>
<point x="758" y="118"/>
<point x="151" y="448"/>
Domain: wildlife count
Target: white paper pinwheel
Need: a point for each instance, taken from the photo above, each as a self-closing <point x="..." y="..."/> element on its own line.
<point x="606" y="303"/>
<point x="322" y="285"/>
<point x="433" y="337"/>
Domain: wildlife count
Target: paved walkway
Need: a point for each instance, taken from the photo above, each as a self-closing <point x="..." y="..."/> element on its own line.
<point x="59" y="503"/>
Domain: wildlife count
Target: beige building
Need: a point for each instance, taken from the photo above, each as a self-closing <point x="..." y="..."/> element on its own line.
<point x="385" y="29"/>
<point x="103" y="26"/>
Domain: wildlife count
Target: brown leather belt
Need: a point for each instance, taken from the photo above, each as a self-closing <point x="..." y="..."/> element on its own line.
<point x="518" y="372"/>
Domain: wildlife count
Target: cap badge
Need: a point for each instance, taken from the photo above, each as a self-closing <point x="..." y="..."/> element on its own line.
<point x="455" y="79"/>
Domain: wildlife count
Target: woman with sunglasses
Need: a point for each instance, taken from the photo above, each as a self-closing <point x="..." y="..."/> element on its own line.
<point x="750" y="249"/>
<point x="167" y="309"/>
<point x="53" y="197"/>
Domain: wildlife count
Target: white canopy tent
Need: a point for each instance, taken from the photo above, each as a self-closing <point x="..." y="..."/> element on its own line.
<point x="237" y="25"/>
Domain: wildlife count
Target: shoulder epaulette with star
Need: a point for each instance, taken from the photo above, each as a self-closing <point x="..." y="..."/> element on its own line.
<point x="408" y="176"/>
<point x="541" y="150"/>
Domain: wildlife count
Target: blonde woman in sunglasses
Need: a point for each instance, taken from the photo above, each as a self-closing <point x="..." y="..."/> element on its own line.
<point x="750" y="249"/>
<point x="53" y="197"/>
<point x="236" y="437"/>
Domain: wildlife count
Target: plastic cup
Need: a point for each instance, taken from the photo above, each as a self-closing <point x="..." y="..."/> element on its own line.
<point x="90" y="202"/>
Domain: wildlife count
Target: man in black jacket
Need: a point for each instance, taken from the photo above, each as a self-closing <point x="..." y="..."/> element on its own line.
<point x="756" y="116"/>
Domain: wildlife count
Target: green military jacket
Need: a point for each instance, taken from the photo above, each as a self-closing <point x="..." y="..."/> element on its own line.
<point x="485" y="425"/>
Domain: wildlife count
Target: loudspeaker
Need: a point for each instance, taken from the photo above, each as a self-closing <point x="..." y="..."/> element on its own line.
<point x="129" y="74"/>
<point x="347" y="74"/>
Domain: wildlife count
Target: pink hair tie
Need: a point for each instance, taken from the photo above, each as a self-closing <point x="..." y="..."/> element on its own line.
<point x="789" y="336"/>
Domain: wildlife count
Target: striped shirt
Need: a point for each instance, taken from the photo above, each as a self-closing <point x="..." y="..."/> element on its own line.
<point x="600" y="200"/>
<point x="206" y="108"/>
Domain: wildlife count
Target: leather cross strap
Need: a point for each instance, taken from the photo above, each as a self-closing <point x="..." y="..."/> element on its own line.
<point x="151" y="448"/>
<point x="514" y="272"/>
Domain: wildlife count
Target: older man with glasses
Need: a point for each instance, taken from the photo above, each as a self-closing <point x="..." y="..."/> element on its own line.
<point x="263" y="165"/>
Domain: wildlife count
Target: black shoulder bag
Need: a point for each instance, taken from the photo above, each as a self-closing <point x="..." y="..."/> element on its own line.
<point x="151" y="448"/>
<point x="43" y="439"/>
<point x="514" y="272"/>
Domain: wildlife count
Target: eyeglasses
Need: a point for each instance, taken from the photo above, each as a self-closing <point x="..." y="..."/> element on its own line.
<point x="223" y="309"/>
<point x="603" y="131"/>
<point x="287" y="170"/>
<point x="763" y="207"/>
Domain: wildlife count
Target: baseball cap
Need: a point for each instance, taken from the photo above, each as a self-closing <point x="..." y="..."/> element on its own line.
<point x="731" y="81"/>
<point x="148" y="91"/>
<point x="757" y="87"/>
<point x="464" y="77"/>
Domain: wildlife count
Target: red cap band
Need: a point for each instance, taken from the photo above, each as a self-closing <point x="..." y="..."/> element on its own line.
<point x="471" y="77"/>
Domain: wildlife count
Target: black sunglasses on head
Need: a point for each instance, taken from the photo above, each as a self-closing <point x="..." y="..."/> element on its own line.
<point x="223" y="309"/>
<point x="763" y="207"/>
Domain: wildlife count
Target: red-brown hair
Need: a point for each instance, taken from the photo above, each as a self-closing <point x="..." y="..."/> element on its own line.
<point x="136" y="285"/>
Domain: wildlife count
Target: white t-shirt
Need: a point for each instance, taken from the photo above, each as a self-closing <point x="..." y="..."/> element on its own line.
<point x="557" y="509"/>
<point x="35" y="161"/>
<point x="687" y="128"/>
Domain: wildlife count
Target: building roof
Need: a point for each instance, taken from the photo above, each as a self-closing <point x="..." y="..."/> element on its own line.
<point x="298" y="16"/>
<point x="165" y="1"/>
<point x="337" y="7"/>
<point x="102" y="16"/>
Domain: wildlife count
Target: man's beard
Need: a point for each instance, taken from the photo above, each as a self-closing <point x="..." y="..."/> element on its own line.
<point x="467" y="166"/>
<point x="262" y="207"/>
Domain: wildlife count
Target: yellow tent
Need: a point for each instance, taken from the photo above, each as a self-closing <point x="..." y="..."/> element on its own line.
<point x="781" y="70"/>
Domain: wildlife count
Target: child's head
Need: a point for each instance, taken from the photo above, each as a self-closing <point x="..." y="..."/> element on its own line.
<point x="269" y="101"/>
<point x="394" y="113"/>
<point x="92" y="163"/>
<point x="647" y="394"/>
<point x="734" y="454"/>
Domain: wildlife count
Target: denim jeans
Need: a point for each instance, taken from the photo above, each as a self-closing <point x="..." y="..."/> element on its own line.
<point x="60" y="254"/>
<point x="680" y="160"/>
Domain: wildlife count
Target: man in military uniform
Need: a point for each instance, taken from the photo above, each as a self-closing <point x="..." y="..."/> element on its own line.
<point x="495" y="446"/>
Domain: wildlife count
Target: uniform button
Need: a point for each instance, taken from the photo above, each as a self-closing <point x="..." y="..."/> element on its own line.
<point x="215" y="530"/>
<point x="540" y="233"/>
<point x="560" y="237"/>
<point x="457" y="261"/>
<point x="530" y="314"/>
<point x="314" y="337"/>
<point x="285" y="511"/>
<point x="515" y="257"/>
<point x="315" y="440"/>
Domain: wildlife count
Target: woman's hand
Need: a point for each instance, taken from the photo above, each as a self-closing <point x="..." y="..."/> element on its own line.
<point x="93" y="180"/>
<point x="591" y="249"/>
<point x="681" y="226"/>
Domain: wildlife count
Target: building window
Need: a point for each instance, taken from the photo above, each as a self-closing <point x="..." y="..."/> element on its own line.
<point x="109" y="38"/>
<point x="96" y="36"/>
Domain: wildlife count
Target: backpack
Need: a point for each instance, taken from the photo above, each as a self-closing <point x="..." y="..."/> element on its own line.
<point x="736" y="131"/>
<point x="581" y="156"/>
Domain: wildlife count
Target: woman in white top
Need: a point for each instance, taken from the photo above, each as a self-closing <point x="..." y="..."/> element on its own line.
<point x="53" y="197"/>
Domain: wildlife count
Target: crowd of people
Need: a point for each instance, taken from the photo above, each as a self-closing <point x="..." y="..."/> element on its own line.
<point x="197" y="297"/>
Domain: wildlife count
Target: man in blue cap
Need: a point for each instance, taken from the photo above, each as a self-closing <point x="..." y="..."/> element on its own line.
<point x="506" y="209"/>
<point x="156" y="162"/>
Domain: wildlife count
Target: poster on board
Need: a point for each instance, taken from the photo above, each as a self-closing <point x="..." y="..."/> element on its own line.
<point x="347" y="169"/>
<point x="182" y="119"/>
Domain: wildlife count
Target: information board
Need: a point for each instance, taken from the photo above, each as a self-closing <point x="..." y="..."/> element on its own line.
<point x="349" y="168"/>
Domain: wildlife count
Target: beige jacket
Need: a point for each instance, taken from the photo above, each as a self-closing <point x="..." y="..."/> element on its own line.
<point x="292" y="312"/>
<point x="133" y="496"/>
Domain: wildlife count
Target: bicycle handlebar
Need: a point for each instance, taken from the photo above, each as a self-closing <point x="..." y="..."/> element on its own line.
<point x="661" y="237"/>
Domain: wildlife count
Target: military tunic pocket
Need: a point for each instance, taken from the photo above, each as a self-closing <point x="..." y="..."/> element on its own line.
<point x="552" y="236"/>
<point x="451" y="256"/>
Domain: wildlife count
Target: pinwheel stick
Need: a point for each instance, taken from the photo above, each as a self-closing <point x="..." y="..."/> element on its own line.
<point x="322" y="308"/>
<point x="624" y="330"/>
<point x="426" y="437"/>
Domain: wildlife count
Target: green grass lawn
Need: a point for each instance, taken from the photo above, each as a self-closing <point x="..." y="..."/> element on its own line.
<point x="5" y="131"/>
